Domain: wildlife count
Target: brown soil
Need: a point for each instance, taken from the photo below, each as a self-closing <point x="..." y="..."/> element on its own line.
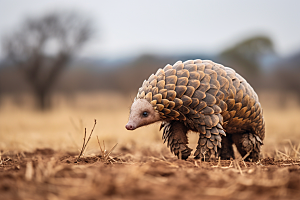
<point x="46" y="174"/>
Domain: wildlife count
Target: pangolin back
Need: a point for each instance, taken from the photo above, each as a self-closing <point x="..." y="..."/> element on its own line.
<point x="207" y="97"/>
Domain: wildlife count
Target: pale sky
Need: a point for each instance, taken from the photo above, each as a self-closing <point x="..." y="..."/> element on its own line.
<point x="169" y="26"/>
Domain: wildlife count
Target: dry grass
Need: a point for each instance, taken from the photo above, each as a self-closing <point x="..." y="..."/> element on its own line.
<point x="86" y="141"/>
<point x="140" y="167"/>
<point x="23" y="129"/>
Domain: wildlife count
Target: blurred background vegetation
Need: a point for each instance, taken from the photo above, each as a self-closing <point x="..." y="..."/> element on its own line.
<point x="64" y="63"/>
<point x="59" y="52"/>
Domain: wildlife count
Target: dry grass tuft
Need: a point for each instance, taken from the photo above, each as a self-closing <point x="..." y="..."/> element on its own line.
<point x="105" y="155"/>
<point x="288" y="152"/>
<point x="86" y="142"/>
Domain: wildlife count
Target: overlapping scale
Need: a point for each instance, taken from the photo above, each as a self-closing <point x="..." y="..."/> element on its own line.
<point x="207" y="94"/>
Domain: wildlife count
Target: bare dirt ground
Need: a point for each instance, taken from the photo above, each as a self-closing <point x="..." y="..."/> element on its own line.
<point x="46" y="174"/>
<point x="39" y="151"/>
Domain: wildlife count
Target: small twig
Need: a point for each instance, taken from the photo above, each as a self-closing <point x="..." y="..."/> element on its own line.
<point x="296" y="152"/>
<point x="85" y="143"/>
<point x="259" y="163"/>
<point x="107" y="155"/>
<point x="248" y="153"/>
<point x="239" y="167"/>
<point x="283" y="154"/>
<point x="163" y="157"/>
<point x="219" y="163"/>
<point x="102" y="152"/>
<point x="245" y="164"/>
<point x="243" y="159"/>
<point x="231" y="164"/>
<point x="196" y="164"/>
<point x="180" y="155"/>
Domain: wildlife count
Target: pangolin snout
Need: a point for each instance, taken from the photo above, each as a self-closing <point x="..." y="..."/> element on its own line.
<point x="129" y="127"/>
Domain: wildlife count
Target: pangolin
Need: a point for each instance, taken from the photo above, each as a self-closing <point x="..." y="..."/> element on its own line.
<point x="204" y="97"/>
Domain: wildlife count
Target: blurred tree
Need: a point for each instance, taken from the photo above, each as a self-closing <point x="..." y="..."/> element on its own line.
<point x="285" y="78"/>
<point x="249" y="53"/>
<point x="42" y="47"/>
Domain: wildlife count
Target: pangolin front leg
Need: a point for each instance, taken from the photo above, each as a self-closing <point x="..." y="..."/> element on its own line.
<point x="208" y="145"/>
<point x="210" y="139"/>
<point x="175" y="135"/>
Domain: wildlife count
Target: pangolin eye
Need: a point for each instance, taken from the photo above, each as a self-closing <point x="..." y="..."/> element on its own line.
<point x="145" y="114"/>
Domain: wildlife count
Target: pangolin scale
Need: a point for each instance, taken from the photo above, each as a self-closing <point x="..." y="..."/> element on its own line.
<point x="204" y="97"/>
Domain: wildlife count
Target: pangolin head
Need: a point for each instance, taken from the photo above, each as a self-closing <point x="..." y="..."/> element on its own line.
<point x="141" y="113"/>
<point x="156" y="99"/>
<point x="144" y="110"/>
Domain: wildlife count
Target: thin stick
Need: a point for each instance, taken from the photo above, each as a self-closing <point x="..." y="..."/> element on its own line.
<point x="290" y="142"/>
<point x="82" y="148"/>
<point x="219" y="163"/>
<point x="100" y="146"/>
<point x="283" y="154"/>
<point x="290" y="164"/>
<point x="239" y="167"/>
<point x="163" y="157"/>
<point x="244" y="163"/>
<point x="248" y="153"/>
<point x="0" y="158"/>
<point x="180" y="155"/>
<point x="107" y="155"/>
<point x="104" y="146"/>
<point x="85" y="143"/>
<point x="231" y="164"/>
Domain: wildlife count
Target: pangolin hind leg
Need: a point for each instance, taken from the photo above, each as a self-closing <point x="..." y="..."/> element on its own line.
<point x="226" y="152"/>
<point x="248" y="143"/>
<point x="175" y="135"/>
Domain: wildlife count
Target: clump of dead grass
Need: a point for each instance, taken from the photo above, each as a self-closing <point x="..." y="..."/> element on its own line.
<point x="86" y="142"/>
<point x="288" y="152"/>
<point x="104" y="154"/>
